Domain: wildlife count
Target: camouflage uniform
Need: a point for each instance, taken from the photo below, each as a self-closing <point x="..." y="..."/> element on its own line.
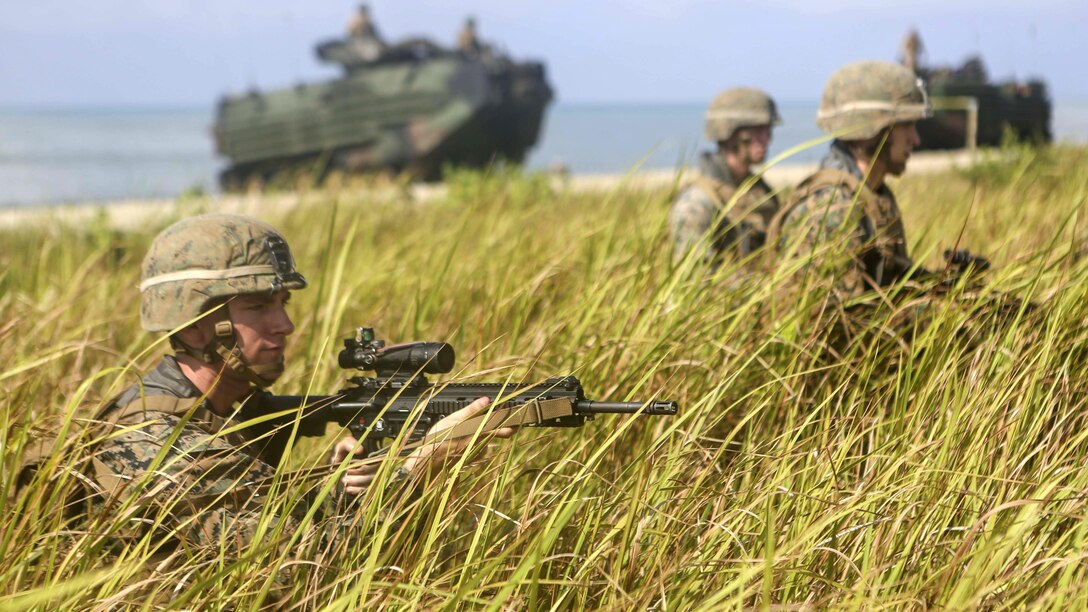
<point x="208" y="482"/>
<point x="703" y="204"/>
<point x="705" y="214"/>
<point x="204" y="473"/>
<point x="861" y="101"/>
<point x="835" y="203"/>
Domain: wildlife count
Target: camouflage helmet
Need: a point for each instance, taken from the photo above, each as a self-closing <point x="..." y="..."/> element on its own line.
<point x="863" y="98"/>
<point x="737" y="108"/>
<point x="198" y="260"/>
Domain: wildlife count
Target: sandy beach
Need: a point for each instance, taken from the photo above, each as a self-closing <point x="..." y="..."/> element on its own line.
<point x="134" y="214"/>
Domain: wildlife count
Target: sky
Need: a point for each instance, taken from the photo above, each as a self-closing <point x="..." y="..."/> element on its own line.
<point x="187" y="53"/>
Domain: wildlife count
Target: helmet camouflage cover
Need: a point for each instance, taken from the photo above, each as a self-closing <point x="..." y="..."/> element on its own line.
<point x="863" y="98"/>
<point x="205" y="258"/>
<point x="737" y="108"/>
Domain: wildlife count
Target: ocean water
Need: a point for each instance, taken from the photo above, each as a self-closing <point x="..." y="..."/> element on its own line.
<point x="78" y="155"/>
<point x="592" y="139"/>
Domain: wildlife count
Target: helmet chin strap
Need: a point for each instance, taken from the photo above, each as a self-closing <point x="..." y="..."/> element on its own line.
<point x="224" y="347"/>
<point x="744" y="145"/>
<point x="738" y="148"/>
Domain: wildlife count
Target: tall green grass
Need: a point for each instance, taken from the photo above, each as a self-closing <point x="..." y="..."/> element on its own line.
<point x="802" y="470"/>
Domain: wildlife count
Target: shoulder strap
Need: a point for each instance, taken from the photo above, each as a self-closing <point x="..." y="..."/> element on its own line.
<point x="162" y="404"/>
<point x="718" y="191"/>
<point x="530" y="413"/>
<point x="40" y="450"/>
<point x="822" y="179"/>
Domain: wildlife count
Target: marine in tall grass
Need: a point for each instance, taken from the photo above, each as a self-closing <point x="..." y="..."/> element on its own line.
<point x="189" y="441"/>
<point x="872" y="108"/>
<point x="724" y="211"/>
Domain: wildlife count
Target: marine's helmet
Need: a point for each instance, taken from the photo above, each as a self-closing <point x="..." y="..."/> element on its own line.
<point x="863" y="98"/>
<point x="737" y="108"/>
<point x="198" y="262"/>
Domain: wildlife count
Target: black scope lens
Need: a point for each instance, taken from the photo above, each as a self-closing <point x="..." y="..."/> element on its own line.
<point x="408" y="358"/>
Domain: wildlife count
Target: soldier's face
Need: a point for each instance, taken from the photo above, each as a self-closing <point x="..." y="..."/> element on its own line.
<point x="756" y="140"/>
<point x="261" y="326"/>
<point x="901" y="142"/>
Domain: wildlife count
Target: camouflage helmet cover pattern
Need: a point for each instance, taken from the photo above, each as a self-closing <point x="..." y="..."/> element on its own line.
<point x="201" y="259"/>
<point x="863" y="98"/>
<point x="737" y="108"/>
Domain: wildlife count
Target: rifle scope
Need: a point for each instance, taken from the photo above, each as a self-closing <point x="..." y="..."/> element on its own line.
<point x="407" y="358"/>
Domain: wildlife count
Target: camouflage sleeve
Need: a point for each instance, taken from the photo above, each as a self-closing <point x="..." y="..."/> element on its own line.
<point x="690" y="220"/>
<point x="825" y="230"/>
<point x="208" y="487"/>
<point x="212" y="490"/>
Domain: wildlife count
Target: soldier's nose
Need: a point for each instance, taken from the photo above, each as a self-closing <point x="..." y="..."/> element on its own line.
<point x="282" y="324"/>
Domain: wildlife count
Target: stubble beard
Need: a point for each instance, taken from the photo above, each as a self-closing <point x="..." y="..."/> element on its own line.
<point x="897" y="168"/>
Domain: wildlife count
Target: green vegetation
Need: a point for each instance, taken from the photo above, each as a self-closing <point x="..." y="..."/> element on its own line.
<point x="943" y="473"/>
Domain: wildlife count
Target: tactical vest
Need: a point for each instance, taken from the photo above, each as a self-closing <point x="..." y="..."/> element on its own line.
<point x="93" y="479"/>
<point x="885" y="256"/>
<point x="743" y="227"/>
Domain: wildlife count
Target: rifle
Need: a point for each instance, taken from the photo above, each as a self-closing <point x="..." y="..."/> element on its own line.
<point x="377" y="409"/>
<point x="962" y="261"/>
<point x="962" y="275"/>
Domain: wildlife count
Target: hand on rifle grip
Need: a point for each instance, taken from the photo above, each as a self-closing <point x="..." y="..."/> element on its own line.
<point x="357" y="478"/>
<point x="963" y="260"/>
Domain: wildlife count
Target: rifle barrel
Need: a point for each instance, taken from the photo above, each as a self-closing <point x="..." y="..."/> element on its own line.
<point x="656" y="407"/>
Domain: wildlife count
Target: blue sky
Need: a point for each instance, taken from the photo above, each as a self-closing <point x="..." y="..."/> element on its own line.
<point x="188" y="52"/>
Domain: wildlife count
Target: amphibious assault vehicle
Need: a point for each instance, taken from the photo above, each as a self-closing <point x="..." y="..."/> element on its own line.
<point x="413" y="106"/>
<point x="970" y="110"/>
